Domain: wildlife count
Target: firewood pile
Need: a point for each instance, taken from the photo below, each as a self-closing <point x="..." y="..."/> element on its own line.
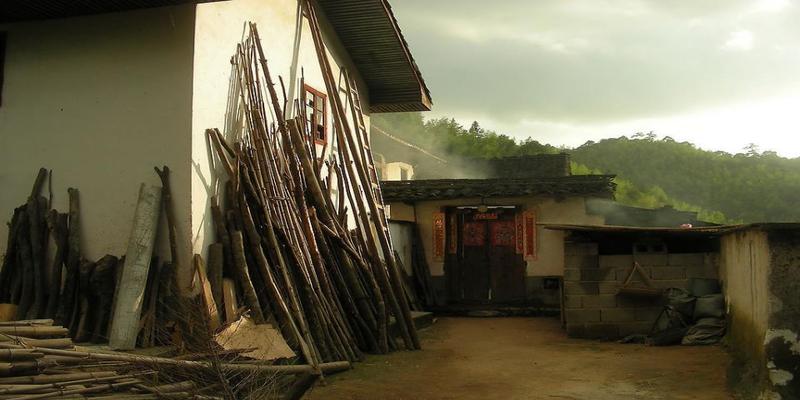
<point x="302" y="244"/>
<point x="39" y="361"/>
<point x="331" y="289"/>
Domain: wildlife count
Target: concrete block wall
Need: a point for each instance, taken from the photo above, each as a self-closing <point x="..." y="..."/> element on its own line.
<point x="591" y="306"/>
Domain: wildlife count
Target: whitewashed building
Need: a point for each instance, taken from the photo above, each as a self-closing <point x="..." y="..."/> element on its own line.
<point x="102" y="91"/>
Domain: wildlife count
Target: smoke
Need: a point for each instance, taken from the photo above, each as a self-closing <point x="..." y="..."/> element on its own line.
<point x="443" y="149"/>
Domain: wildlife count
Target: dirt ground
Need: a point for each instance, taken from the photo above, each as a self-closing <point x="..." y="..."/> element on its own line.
<point x="530" y="358"/>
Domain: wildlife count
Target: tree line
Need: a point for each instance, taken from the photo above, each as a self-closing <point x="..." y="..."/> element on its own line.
<point x="751" y="186"/>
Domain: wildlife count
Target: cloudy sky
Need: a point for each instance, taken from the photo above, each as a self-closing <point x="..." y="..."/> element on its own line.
<point x="719" y="73"/>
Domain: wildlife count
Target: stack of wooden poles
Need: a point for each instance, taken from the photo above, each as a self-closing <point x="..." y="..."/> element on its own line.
<point x="332" y="289"/>
<point x="76" y="292"/>
<point x="39" y="361"/>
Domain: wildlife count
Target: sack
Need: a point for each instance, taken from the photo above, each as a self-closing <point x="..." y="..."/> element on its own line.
<point x="681" y="301"/>
<point x="703" y="287"/>
<point x="709" y="306"/>
<point x="706" y="331"/>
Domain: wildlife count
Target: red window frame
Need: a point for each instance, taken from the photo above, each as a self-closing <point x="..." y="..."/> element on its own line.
<point x="316" y="113"/>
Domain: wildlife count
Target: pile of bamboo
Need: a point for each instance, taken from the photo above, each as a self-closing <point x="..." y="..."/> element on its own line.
<point x="39" y="361"/>
<point x="332" y="289"/>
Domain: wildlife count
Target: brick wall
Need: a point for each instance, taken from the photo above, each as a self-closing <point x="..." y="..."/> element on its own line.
<point x="591" y="282"/>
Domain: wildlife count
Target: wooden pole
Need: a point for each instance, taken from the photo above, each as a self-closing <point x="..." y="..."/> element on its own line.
<point x="67" y="299"/>
<point x="124" y="326"/>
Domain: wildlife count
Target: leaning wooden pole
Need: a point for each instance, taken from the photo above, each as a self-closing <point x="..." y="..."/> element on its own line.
<point x="128" y="307"/>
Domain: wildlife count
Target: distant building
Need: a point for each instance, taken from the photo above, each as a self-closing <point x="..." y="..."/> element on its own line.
<point x="399" y="160"/>
<point x="481" y="237"/>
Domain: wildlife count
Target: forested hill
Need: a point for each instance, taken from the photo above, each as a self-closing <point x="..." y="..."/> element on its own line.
<point x="749" y="187"/>
<point x="752" y="186"/>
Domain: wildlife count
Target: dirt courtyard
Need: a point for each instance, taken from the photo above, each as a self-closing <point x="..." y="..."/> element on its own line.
<point x="530" y="358"/>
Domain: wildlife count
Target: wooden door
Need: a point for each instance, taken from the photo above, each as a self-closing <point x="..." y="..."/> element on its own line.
<point x="507" y="268"/>
<point x="485" y="267"/>
<point x="474" y="261"/>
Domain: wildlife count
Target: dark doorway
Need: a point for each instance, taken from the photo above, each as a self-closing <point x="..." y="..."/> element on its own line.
<point x="483" y="265"/>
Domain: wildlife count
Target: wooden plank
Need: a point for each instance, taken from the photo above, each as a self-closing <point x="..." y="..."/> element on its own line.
<point x="229" y="300"/>
<point x="128" y="307"/>
<point x="201" y="279"/>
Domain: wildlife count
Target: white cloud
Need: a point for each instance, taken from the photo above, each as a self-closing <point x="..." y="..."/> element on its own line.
<point x="739" y="41"/>
<point x="771" y="5"/>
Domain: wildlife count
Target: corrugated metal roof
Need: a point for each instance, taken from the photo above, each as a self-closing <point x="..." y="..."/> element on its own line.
<point x="638" y="229"/>
<point x="443" y="189"/>
<point x="372" y="37"/>
<point x="713" y="230"/>
<point x="367" y="28"/>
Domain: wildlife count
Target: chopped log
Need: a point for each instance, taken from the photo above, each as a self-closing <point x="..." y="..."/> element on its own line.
<point x="36" y="215"/>
<point x="82" y="333"/>
<point x="103" y="283"/>
<point x="26" y="267"/>
<point x="66" y="303"/>
<point x="169" y="210"/>
<point x="164" y="314"/>
<point x="10" y="267"/>
<point x="229" y="301"/>
<point x="57" y="223"/>
<point x="209" y="305"/>
<point x="223" y="236"/>
<point x="147" y="322"/>
<point x="124" y="325"/>
<point x="215" y="266"/>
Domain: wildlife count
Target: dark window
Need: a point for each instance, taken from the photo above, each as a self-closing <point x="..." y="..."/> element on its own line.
<point x="2" y="62"/>
<point x="316" y="115"/>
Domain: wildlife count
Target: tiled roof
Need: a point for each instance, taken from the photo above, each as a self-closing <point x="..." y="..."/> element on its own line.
<point x="601" y="186"/>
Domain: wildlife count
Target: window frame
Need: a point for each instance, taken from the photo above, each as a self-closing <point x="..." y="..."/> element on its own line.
<point x="323" y="98"/>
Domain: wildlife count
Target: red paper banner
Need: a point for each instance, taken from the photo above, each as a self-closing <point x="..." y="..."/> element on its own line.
<point x="474" y="234"/>
<point x="530" y="235"/>
<point x="452" y="234"/>
<point x="484" y="216"/>
<point x="520" y="234"/>
<point x="438" y="236"/>
<point x="503" y="233"/>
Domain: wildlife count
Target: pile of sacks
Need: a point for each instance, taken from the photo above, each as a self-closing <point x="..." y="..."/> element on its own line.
<point x="690" y="317"/>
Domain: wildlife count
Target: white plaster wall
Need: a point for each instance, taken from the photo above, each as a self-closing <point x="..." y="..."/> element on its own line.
<point x="744" y="271"/>
<point x="550" y="244"/>
<point x="220" y="26"/>
<point x="100" y="100"/>
<point x="393" y="171"/>
<point x="402" y="234"/>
